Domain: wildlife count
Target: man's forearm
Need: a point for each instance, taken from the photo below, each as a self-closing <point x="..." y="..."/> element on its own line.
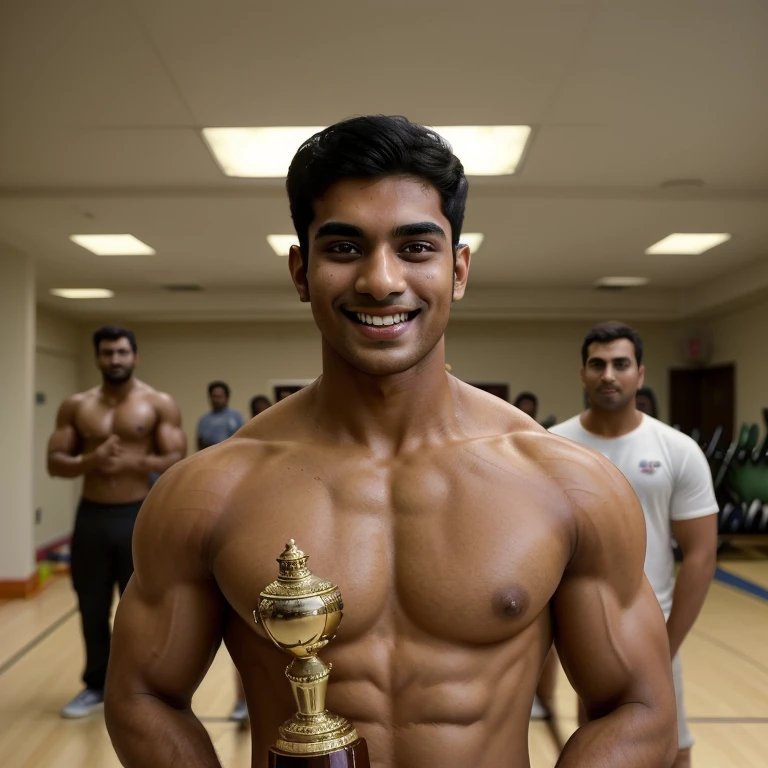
<point x="64" y="465"/>
<point x="693" y="580"/>
<point x="155" y="462"/>
<point x="147" y="732"/>
<point x="632" y="736"/>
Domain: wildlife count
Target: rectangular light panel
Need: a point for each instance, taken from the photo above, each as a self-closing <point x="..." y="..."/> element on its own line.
<point x="622" y="282"/>
<point x="484" y="150"/>
<point x="113" y="245"/>
<point x="281" y="244"/>
<point x="83" y="293"/>
<point x="687" y="243"/>
<point x="263" y="153"/>
<point x="473" y="239"/>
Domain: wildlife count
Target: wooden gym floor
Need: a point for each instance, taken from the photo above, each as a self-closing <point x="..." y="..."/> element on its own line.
<point x="41" y="656"/>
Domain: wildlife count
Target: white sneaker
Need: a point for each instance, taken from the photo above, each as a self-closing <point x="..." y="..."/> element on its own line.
<point x="240" y="712"/>
<point x="84" y="703"/>
<point x="538" y="710"/>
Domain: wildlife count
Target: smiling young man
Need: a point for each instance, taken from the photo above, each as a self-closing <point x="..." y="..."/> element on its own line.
<point x="462" y="535"/>
<point x="671" y="477"/>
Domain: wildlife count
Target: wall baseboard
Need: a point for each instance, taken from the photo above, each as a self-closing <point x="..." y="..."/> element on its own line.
<point x="12" y="589"/>
<point x="44" y="549"/>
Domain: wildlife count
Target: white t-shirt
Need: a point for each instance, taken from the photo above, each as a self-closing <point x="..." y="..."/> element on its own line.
<point x="670" y="475"/>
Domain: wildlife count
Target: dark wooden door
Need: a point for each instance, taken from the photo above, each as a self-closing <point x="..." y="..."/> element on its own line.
<point x="704" y="399"/>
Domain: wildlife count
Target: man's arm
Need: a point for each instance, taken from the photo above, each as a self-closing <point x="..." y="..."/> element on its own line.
<point x="170" y="440"/>
<point x="693" y="509"/>
<point x="167" y="630"/>
<point x="609" y="628"/>
<point x="64" y="451"/>
<point x="698" y="542"/>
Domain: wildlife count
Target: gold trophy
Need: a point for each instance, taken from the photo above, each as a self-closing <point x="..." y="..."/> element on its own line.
<point x="301" y="613"/>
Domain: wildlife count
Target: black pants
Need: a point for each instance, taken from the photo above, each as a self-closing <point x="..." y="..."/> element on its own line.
<point x="101" y="557"/>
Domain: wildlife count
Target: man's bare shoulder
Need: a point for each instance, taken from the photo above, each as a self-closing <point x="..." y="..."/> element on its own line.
<point x="484" y="414"/>
<point x="155" y="396"/>
<point x="78" y="399"/>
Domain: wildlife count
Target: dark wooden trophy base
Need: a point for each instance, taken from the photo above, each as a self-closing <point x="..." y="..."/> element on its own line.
<point x="353" y="756"/>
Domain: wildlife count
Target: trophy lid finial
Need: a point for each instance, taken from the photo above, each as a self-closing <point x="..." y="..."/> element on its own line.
<point x="293" y="563"/>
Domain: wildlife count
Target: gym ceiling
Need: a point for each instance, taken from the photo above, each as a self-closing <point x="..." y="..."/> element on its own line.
<point x="648" y="118"/>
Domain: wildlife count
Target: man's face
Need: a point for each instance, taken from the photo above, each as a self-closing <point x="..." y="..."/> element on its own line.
<point x="380" y="274"/>
<point x="643" y="403"/>
<point x="611" y="375"/>
<point x="218" y="399"/>
<point x="528" y="407"/>
<point x="116" y="361"/>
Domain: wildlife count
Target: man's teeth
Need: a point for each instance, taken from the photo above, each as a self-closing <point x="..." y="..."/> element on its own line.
<point x="385" y="320"/>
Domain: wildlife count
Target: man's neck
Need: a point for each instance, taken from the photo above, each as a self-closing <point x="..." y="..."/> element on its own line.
<point x="611" y="423"/>
<point x="113" y="391"/>
<point x="389" y="414"/>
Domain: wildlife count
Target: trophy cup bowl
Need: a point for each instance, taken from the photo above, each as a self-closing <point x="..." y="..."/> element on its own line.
<point x="301" y="614"/>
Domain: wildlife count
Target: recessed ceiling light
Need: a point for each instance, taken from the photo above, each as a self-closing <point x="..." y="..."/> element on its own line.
<point x="487" y="150"/>
<point x="473" y="239"/>
<point x="83" y="293"/>
<point x="113" y="245"/>
<point x="621" y="282"/>
<point x="256" y="152"/>
<point x="687" y="243"/>
<point x="281" y="244"/>
<point x="484" y="150"/>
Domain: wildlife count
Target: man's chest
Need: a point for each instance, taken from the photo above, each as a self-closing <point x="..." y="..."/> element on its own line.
<point x="133" y="419"/>
<point x="469" y="553"/>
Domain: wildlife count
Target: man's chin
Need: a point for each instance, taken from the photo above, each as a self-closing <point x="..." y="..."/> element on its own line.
<point x="121" y="379"/>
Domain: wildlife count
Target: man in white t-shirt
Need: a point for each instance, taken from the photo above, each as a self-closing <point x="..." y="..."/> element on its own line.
<point x="670" y="476"/>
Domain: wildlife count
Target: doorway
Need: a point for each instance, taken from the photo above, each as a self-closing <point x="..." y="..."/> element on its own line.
<point x="703" y="399"/>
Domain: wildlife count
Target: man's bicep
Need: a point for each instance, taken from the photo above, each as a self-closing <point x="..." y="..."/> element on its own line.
<point x="168" y="625"/>
<point x="614" y="650"/>
<point x="609" y="628"/>
<point x="164" y="648"/>
<point x="64" y="438"/>
<point x="169" y="436"/>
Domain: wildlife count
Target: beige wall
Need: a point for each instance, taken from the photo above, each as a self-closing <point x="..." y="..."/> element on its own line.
<point x="182" y="358"/>
<point x="57" y="369"/>
<point x="541" y="356"/>
<point x="740" y="338"/>
<point x="545" y="358"/>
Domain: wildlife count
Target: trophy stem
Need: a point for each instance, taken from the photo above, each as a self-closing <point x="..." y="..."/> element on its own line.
<point x="309" y="681"/>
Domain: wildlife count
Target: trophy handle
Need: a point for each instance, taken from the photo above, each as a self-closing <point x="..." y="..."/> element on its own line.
<point x="353" y="756"/>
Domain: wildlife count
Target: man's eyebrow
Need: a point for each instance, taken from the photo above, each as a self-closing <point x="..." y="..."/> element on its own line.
<point x="597" y="358"/>
<point x="339" y="229"/>
<point x="419" y="228"/>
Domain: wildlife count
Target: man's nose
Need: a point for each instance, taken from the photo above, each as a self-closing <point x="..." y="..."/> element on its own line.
<point x="381" y="274"/>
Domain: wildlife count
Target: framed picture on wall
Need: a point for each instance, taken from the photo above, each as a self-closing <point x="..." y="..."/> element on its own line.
<point x="282" y="388"/>
<point x="500" y="390"/>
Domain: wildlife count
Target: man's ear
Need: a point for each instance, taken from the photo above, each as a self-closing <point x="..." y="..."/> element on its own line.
<point x="298" y="272"/>
<point x="461" y="271"/>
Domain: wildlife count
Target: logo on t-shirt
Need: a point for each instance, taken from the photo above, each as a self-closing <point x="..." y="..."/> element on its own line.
<point x="649" y="467"/>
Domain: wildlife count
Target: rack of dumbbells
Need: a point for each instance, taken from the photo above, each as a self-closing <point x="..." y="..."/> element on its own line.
<point x="740" y="476"/>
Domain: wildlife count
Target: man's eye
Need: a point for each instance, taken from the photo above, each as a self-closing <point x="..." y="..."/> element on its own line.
<point x="417" y="248"/>
<point x="345" y="248"/>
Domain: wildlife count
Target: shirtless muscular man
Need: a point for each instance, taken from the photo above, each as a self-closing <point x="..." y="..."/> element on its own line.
<point x="463" y="536"/>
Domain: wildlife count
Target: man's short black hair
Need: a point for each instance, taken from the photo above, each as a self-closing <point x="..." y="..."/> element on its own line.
<point x="526" y="396"/>
<point x="218" y="385"/>
<point x="651" y="395"/>
<point x="113" y="333"/>
<point x="256" y="399"/>
<point x="373" y="147"/>
<point x="610" y="331"/>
